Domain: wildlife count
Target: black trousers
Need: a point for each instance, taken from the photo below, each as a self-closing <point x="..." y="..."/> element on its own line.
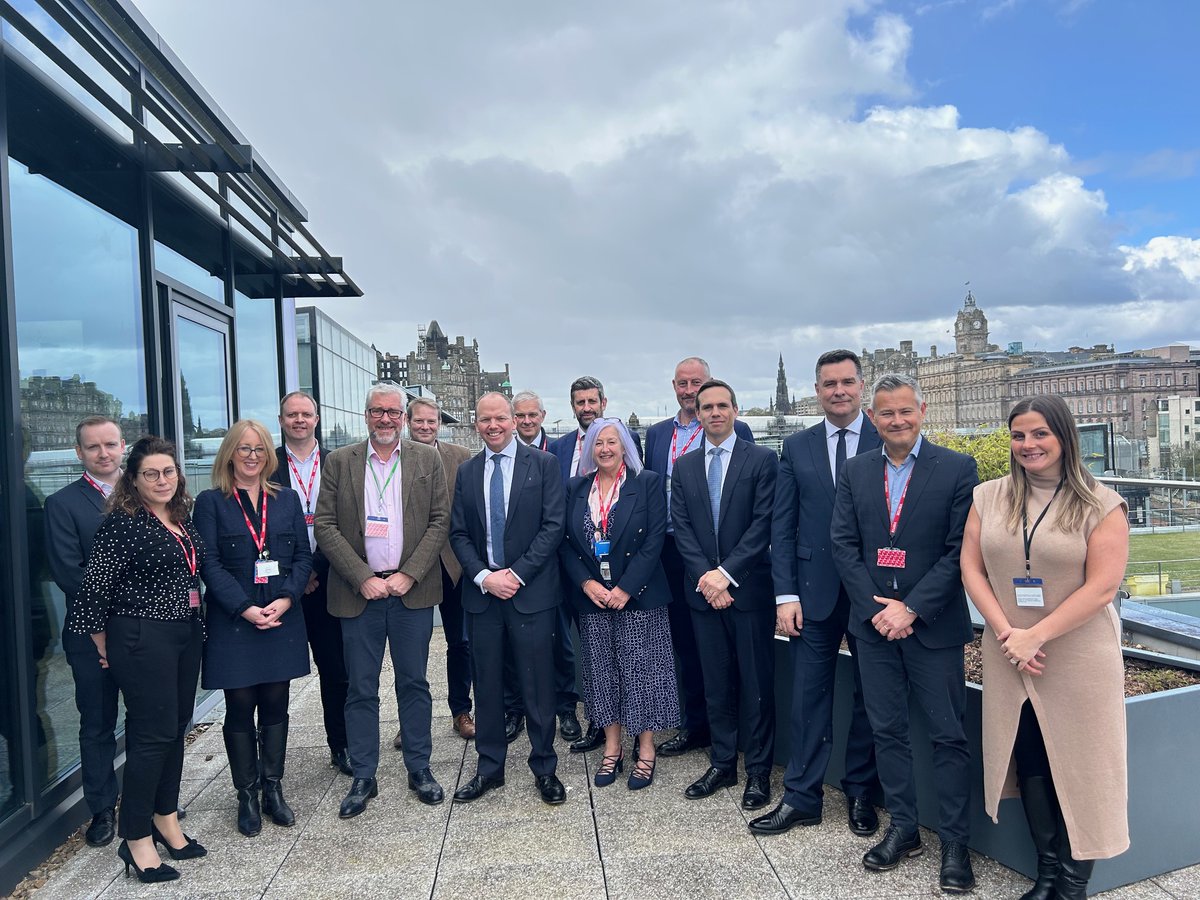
<point x="96" y="700"/>
<point x="156" y="664"/>
<point x="325" y="639"/>
<point x="683" y="640"/>
<point x="458" y="648"/>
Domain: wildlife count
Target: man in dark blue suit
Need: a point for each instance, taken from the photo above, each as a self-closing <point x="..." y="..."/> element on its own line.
<point x="505" y="527"/>
<point x="721" y="502"/>
<point x="587" y="403"/>
<point x="812" y="606"/>
<point x="666" y="441"/>
<point x="897" y="534"/>
<point x="72" y="516"/>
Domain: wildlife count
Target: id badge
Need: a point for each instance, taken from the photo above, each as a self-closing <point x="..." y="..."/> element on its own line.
<point x="264" y="569"/>
<point x="194" y="598"/>
<point x="605" y="570"/>
<point x="1029" y="592"/>
<point x="377" y="527"/>
<point x="603" y="548"/>
<point x="310" y="519"/>
<point x="890" y="558"/>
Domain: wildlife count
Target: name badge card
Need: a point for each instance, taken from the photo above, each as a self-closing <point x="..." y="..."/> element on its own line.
<point x="603" y="548"/>
<point x="1029" y="592"/>
<point x="377" y="527"/>
<point x="890" y="558"/>
<point x="264" y="569"/>
<point x="605" y="570"/>
<point x="194" y="598"/>
<point x="310" y="519"/>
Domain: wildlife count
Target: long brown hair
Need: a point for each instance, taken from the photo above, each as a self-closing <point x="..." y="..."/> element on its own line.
<point x="222" y="470"/>
<point x="1079" y="487"/>
<point x="125" y="495"/>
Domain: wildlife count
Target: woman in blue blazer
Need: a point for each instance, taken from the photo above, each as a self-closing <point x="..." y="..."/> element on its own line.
<point x="616" y="520"/>
<point x="256" y="568"/>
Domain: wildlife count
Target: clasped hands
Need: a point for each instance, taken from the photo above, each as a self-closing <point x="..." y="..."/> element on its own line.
<point x="1023" y="648"/>
<point x="503" y="584"/>
<point x="715" y="588"/>
<point x="266" y="617"/>
<point x="603" y="597"/>
<point x="395" y="585"/>
<point x="894" y="621"/>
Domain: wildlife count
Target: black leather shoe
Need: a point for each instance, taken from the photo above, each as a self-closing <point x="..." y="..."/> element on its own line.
<point x="340" y="760"/>
<point x="551" y="789"/>
<point x="568" y="726"/>
<point x="684" y="741"/>
<point x="103" y="828"/>
<point x="428" y="790"/>
<point x="863" y="819"/>
<point x="514" y="723"/>
<point x="895" y="847"/>
<point x="477" y="787"/>
<point x="591" y="739"/>
<point x="757" y="793"/>
<point x="361" y="790"/>
<point x="161" y="872"/>
<point x="957" y="877"/>
<point x="191" y="849"/>
<point x="782" y="818"/>
<point x="710" y="782"/>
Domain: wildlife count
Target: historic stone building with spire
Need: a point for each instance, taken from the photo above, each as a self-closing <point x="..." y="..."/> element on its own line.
<point x="783" y="403"/>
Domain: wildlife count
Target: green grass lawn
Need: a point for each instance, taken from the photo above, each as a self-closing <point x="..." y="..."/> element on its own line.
<point x="1147" y="549"/>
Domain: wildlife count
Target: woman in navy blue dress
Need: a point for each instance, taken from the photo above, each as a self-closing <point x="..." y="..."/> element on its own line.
<point x="255" y="569"/>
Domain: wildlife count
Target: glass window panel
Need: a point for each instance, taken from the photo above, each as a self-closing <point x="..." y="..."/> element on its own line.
<point x="204" y="398"/>
<point x="10" y="769"/>
<point x="80" y="353"/>
<point x="176" y="265"/>
<point x="257" y="361"/>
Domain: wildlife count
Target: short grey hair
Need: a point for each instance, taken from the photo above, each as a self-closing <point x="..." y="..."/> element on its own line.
<point x="387" y="389"/>
<point x="529" y="395"/>
<point x="894" y="381"/>
<point x="698" y="360"/>
<point x="587" y="453"/>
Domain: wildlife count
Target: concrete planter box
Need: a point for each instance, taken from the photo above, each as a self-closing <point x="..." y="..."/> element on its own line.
<point x="1164" y="784"/>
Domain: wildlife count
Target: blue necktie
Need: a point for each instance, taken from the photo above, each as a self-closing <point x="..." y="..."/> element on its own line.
<point x="714" y="485"/>
<point x="496" y="516"/>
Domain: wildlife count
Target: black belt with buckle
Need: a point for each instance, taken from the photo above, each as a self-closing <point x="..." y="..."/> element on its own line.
<point x="387" y="573"/>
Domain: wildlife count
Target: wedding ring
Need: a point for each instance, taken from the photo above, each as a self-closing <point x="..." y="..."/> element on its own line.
<point x="1013" y="661"/>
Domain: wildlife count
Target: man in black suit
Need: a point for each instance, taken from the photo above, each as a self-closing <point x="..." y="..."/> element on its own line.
<point x="897" y="533"/>
<point x="505" y="527"/>
<point x="300" y="460"/>
<point x="72" y="516"/>
<point x="812" y="607"/>
<point x="721" y="502"/>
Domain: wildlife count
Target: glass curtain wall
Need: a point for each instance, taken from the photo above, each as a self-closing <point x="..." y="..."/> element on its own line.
<point x="257" y="361"/>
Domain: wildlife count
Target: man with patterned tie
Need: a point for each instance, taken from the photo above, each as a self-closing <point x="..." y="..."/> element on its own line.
<point x="721" y="503"/>
<point x="505" y="527"/>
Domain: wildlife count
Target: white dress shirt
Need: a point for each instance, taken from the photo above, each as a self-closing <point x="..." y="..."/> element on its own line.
<point x="508" y="459"/>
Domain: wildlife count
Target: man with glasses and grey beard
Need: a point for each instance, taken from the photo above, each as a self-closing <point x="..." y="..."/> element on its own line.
<point x="382" y="520"/>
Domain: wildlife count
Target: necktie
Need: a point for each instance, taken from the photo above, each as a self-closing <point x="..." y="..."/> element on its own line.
<point x="496" y="516"/>
<point x="839" y="456"/>
<point x="714" y="485"/>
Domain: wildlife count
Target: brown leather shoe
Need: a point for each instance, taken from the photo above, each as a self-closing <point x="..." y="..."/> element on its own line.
<point x="465" y="726"/>
<point x="396" y="742"/>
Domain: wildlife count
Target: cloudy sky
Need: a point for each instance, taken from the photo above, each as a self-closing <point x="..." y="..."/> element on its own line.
<point x="604" y="188"/>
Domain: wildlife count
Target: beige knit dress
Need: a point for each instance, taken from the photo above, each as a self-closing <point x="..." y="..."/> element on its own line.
<point x="1079" y="699"/>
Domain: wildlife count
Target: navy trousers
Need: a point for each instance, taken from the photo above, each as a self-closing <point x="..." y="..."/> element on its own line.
<point x="458" y="648"/>
<point x="683" y="639"/>
<point x="325" y="638"/>
<point x="96" y="700"/>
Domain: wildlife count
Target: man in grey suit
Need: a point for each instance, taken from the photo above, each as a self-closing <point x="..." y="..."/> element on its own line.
<point x="72" y="516"/>
<point x="382" y="518"/>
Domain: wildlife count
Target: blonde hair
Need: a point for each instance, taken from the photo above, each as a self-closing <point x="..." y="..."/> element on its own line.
<point x="222" y="470"/>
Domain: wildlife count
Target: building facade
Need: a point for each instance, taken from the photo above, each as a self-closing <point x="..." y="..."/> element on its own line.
<point x="148" y="257"/>
<point x="336" y="368"/>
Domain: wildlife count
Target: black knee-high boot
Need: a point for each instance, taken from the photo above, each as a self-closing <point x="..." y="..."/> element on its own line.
<point x="1073" y="874"/>
<point x="1041" y="812"/>
<point x="273" y="749"/>
<point x="242" y="747"/>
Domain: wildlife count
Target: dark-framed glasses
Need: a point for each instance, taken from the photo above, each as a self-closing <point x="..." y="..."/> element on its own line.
<point x="378" y="412"/>
<point x="246" y="452"/>
<point x="152" y="475"/>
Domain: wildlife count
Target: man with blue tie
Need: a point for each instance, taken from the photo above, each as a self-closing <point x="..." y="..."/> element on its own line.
<point x="666" y="441"/>
<point x="812" y="606"/>
<point x="721" y="503"/>
<point x="505" y="527"/>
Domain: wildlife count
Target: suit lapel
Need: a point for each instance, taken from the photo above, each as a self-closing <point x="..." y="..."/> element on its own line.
<point x="922" y="471"/>
<point x="520" y="471"/>
<point x="94" y="496"/>
<point x="358" y="476"/>
<point x="480" y="489"/>
<point x="818" y="445"/>
<point x="737" y="461"/>
<point x="624" y="508"/>
<point x="408" y="475"/>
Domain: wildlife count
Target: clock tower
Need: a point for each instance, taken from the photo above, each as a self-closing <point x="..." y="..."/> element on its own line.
<point x="970" y="328"/>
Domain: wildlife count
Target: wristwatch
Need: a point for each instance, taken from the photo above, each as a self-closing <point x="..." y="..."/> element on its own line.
<point x="912" y="612"/>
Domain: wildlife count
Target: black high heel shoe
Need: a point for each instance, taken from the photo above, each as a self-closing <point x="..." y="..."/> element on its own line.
<point x="642" y="774"/>
<point x="606" y="774"/>
<point x="161" y="872"/>
<point x="193" y="849"/>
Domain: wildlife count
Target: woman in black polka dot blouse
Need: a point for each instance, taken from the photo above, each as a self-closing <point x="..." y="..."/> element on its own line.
<point x="140" y="602"/>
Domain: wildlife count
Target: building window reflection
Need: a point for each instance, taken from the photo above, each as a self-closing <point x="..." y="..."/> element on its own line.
<point x="257" y="361"/>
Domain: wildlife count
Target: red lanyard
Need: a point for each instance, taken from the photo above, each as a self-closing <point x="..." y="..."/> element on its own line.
<point x="887" y="497"/>
<point x="94" y="483"/>
<point x="189" y="549"/>
<point x="674" y="435"/>
<point x="312" y="476"/>
<point x="259" y="538"/>
<point x="606" y="506"/>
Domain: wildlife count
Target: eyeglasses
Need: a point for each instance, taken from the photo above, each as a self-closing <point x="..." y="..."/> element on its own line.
<point x="246" y="452"/>
<point x="378" y="412"/>
<point x="152" y="475"/>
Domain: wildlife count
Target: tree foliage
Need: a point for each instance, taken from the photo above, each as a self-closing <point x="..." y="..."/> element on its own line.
<point x="991" y="451"/>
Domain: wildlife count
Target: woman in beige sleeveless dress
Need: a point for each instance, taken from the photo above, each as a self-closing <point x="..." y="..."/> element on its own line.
<point x="1053" y="698"/>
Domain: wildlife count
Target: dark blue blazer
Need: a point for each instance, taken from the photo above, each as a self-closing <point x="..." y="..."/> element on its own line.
<point x="801" y="552"/>
<point x="228" y="566"/>
<point x="930" y="531"/>
<point x="743" y="545"/>
<point x="532" y="531"/>
<point x="282" y="476"/>
<point x="73" y="514"/>
<point x="639" y="525"/>
<point x="658" y="442"/>
<point x="563" y="449"/>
